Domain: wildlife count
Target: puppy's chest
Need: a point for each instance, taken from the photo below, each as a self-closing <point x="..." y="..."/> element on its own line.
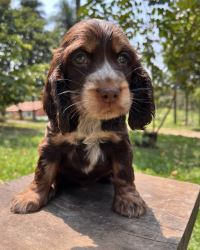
<point x="89" y="142"/>
<point x="88" y="129"/>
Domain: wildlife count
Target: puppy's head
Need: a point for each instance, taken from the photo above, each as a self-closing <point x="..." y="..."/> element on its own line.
<point x="96" y="72"/>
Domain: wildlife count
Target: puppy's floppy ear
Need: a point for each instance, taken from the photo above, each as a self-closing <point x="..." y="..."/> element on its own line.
<point x="142" y="108"/>
<point x="63" y="103"/>
<point x="53" y="102"/>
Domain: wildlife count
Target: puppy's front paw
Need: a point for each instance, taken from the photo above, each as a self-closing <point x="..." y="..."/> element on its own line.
<point x="26" y="202"/>
<point x="129" y="204"/>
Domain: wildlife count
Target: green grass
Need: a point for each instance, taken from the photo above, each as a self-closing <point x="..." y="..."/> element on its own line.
<point x="18" y="148"/>
<point x="173" y="154"/>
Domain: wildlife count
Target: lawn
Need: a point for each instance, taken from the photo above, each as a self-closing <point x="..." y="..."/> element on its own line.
<point x="174" y="157"/>
<point x="18" y="148"/>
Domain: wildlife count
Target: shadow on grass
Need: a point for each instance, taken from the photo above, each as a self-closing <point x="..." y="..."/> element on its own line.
<point x="196" y="129"/>
<point x="16" y="136"/>
<point x="18" y="130"/>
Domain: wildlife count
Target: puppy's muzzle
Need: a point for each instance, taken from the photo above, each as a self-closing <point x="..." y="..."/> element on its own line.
<point x="109" y="94"/>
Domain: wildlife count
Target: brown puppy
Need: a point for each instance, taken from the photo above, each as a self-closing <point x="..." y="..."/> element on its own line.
<point x="95" y="79"/>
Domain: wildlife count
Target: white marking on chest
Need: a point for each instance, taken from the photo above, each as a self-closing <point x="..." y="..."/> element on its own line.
<point x="87" y="127"/>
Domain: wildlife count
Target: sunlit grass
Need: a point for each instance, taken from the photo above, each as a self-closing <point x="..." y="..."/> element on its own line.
<point x="18" y="148"/>
<point x="173" y="153"/>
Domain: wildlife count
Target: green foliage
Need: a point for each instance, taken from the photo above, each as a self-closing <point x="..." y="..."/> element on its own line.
<point x="179" y="28"/>
<point x="33" y="4"/>
<point x="25" y="51"/>
<point x="120" y="11"/>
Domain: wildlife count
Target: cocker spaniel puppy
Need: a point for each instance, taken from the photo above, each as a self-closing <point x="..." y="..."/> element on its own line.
<point x="95" y="79"/>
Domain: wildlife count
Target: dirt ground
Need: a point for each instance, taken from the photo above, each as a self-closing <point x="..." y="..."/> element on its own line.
<point x="182" y="132"/>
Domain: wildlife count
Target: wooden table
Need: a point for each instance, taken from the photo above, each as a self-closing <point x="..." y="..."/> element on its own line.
<point x="82" y="218"/>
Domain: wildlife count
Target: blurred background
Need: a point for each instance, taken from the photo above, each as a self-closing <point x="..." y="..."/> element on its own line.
<point x="166" y="34"/>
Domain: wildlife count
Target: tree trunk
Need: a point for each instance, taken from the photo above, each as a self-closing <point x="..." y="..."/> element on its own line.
<point x="3" y="115"/>
<point x="149" y="139"/>
<point x="33" y="111"/>
<point x="199" y="114"/>
<point x="78" y="4"/>
<point x="154" y="124"/>
<point x="3" y="112"/>
<point x="191" y="115"/>
<point x="186" y="107"/>
<point x="175" y="104"/>
<point x="165" y="115"/>
<point x="20" y="115"/>
<point x="34" y="115"/>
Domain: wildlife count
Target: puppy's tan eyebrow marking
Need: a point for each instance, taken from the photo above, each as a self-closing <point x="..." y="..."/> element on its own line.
<point x="87" y="46"/>
<point x="88" y="43"/>
<point x="120" y="43"/>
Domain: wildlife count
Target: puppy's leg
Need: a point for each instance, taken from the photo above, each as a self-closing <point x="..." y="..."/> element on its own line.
<point x="127" y="201"/>
<point x="40" y="190"/>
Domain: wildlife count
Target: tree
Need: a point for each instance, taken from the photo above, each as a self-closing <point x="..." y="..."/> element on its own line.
<point x="64" y="18"/>
<point x="41" y="42"/>
<point x="12" y="48"/>
<point x="78" y="5"/>
<point x="179" y="28"/>
<point x="125" y="12"/>
<point x="25" y="51"/>
<point x="32" y="4"/>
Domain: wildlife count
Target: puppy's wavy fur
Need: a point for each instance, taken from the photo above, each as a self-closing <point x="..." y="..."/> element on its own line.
<point x="94" y="80"/>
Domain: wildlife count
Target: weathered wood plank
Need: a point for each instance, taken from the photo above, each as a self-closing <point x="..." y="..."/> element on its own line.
<point x="82" y="218"/>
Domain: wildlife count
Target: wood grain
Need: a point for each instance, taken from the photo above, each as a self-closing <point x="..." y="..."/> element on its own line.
<point x="82" y="218"/>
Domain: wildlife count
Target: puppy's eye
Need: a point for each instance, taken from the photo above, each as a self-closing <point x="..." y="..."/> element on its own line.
<point x="123" y="58"/>
<point x="81" y="58"/>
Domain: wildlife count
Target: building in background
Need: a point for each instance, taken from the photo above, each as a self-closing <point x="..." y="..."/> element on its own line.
<point x="26" y="110"/>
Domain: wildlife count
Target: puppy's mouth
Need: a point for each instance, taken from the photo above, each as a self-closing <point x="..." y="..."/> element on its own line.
<point x="105" y="101"/>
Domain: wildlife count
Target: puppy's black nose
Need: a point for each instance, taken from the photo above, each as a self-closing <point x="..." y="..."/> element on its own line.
<point x="109" y="95"/>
